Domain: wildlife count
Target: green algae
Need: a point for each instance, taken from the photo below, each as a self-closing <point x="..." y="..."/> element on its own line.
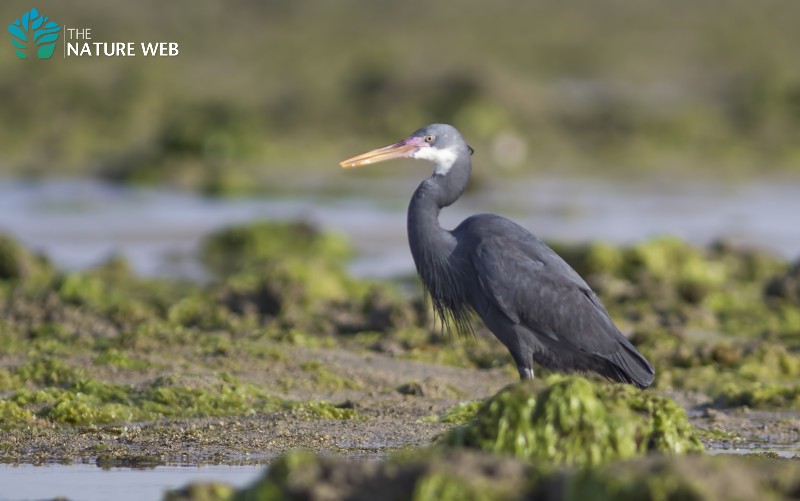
<point x="202" y="492"/>
<point x="761" y="373"/>
<point x="317" y="409"/>
<point x="237" y="248"/>
<point x="129" y="326"/>
<point x="75" y="408"/>
<point x="290" y="272"/>
<point x="120" y="359"/>
<point x="90" y="401"/>
<point x="323" y="379"/>
<point x="196" y="311"/>
<point x="785" y="287"/>
<point x="7" y="380"/>
<point x="220" y="399"/>
<point x="445" y="486"/>
<point x="303" y="338"/>
<point x="761" y="395"/>
<point x="47" y="371"/>
<point x="698" y="478"/>
<point x="574" y="421"/>
<point x="667" y="282"/>
<point x="458" y="414"/>
<point x="13" y="414"/>
<point x="469" y="475"/>
<point x="295" y="275"/>
<point x="19" y="264"/>
<point x="720" y="320"/>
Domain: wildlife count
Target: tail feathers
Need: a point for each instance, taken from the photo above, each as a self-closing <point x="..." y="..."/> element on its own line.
<point x="629" y="366"/>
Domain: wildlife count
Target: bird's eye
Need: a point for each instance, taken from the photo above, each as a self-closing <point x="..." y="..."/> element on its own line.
<point x="429" y="139"/>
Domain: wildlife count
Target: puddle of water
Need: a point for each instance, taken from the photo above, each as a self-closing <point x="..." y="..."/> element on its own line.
<point x="78" y="223"/>
<point x="90" y="483"/>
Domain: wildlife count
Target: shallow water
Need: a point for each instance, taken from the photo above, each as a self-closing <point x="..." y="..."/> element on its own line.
<point x="81" y="222"/>
<point x="90" y="483"/>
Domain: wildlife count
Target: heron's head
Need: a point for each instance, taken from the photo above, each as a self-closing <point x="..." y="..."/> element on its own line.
<point x="442" y="144"/>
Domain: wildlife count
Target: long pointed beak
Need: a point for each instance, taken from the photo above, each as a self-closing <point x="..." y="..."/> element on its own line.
<point x="400" y="149"/>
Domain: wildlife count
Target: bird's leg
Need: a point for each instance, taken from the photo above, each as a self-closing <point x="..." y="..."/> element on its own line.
<point x="525" y="372"/>
<point x="523" y="363"/>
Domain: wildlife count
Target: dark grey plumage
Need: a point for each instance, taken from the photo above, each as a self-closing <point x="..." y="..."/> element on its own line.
<point x="529" y="297"/>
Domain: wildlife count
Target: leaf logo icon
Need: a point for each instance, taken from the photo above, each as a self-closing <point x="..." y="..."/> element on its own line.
<point x="33" y="27"/>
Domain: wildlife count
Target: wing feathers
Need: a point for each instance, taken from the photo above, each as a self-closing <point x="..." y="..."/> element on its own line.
<point x="533" y="286"/>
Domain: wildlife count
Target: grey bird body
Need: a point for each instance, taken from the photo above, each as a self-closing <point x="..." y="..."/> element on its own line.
<point x="528" y="297"/>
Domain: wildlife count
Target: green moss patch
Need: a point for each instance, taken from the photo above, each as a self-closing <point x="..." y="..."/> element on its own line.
<point x="667" y="282"/>
<point x="70" y="338"/>
<point x="12" y="413"/>
<point x="90" y="401"/>
<point x="236" y="248"/>
<point x="721" y="321"/>
<point x="471" y="475"/>
<point x="19" y="264"/>
<point x="458" y="414"/>
<point x="295" y="275"/>
<point x="700" y="478"/>
<point x="323" y="379"/>
<point x="761" y="373"/>
<point x="325" y="410"/>
<point x="299" y="474"/>
<point x="575" y="421"/>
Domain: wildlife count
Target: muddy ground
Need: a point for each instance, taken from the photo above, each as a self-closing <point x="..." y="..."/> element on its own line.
<point x="397" y="397"/>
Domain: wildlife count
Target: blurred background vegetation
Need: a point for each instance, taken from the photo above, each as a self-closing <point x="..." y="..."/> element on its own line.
<point x="263" y="91"/>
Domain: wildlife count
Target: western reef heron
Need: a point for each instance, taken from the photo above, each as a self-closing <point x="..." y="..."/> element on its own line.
<point x="525" y="293"/>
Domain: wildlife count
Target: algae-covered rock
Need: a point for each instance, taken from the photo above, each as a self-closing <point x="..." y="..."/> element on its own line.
<point x="18" y="263"/>
<point x="294" y="273"/>
<point x="592" y="258"/>
<point x="461" y="476"/>
<point x="786" y="286"/>
<point x="472" y="475"/>
<point x="69" y="398"/>
<point x="13" y="414"/>
<point x="201" y="492"/>
<point x="731" y="371"/>
<point x="315" y="409"/>
<point x="664" y="259"/>
<point x="575" y="421"/>
<point x="458" y="414"/>
<point x="270" y="269"/>
<point x="697" y="478"/>
<point x="235" y="248"/>
<point x="668" y="272"/>
<point x="759" y="394"/>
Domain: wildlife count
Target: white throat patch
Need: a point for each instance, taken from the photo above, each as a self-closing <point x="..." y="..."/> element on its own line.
<point x="443" y="158"/>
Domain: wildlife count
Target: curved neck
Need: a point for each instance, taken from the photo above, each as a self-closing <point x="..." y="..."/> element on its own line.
<point x="429" y="241"/>
<point x="433" y="247"/>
